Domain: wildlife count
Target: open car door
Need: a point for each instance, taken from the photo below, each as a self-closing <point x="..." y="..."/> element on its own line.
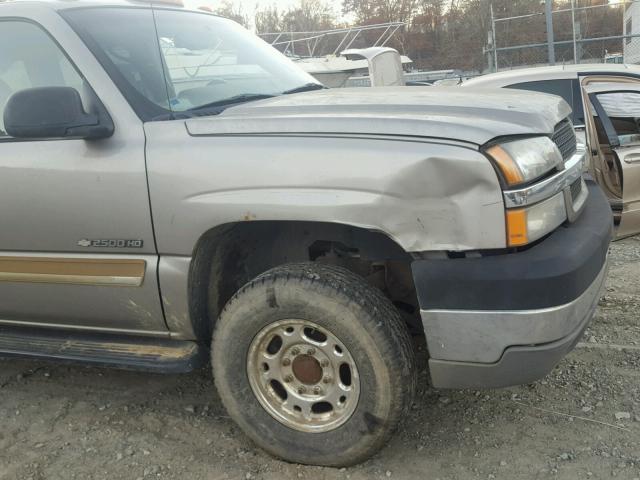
<point x="613" y="136"/>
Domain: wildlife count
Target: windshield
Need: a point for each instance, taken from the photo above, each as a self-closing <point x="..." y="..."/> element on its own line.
<point x="171" y="61"/>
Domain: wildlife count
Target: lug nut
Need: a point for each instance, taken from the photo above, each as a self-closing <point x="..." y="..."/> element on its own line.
<point x="295" y="351"/>
<point x="326" y="379"/>
<point x="316" y="390"/>
<point x="311" y="351"/>
<point x="288" y="378"/>
<point x="302" y="390"/>
<point x="324" y="363"/>
<point x="286" y="362"/>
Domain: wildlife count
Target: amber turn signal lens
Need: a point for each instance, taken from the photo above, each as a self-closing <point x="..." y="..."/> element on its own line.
<point x="507" y="166"/>
<point x="517" y="228"/>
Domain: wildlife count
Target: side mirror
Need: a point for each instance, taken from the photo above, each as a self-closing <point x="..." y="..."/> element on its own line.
<point x="53" y="112"/>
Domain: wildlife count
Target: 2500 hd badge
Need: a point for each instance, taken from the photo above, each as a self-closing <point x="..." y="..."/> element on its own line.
<point x="110" y="243"/>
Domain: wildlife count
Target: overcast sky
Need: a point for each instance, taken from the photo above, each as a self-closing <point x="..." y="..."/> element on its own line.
<point x="249" y="6"/>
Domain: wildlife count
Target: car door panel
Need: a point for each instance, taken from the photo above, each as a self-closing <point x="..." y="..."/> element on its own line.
<point x="629" y="157"/>
<point x="614" y="137"/>
<point x="76" y="243"/>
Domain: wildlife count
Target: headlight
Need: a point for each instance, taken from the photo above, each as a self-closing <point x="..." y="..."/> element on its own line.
<point x="522" y="161"/>
<point x="526" y="225"/>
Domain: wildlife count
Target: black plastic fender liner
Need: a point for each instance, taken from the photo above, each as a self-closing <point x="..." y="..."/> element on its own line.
<point x="553" y="272"/>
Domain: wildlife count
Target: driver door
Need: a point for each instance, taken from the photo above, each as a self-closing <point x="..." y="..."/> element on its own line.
<point x="76" y="241"/>
<point x="613" y="133"/>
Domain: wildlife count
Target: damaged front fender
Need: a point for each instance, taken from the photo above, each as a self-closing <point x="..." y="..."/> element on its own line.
<point x="425" y="195"/>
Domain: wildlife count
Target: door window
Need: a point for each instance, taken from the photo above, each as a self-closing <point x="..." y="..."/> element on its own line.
<point x="30" y="58"/>
<point x="623" y="112"/>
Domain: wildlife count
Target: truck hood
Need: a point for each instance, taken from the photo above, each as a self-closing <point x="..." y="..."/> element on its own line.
<point x="474" y="116"/>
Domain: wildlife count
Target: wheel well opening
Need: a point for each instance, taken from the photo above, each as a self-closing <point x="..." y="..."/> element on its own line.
<point x="229" y="256"/>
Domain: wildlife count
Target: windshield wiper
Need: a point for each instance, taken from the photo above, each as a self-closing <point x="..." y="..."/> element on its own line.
<point x="245" y="97"/>
<point x="307" y="87"/>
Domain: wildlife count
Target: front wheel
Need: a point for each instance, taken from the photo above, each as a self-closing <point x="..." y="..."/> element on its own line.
<point x="315" y="365"/>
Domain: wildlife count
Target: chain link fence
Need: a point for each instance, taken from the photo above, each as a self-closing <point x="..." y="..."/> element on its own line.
<point x="582" y="33"/>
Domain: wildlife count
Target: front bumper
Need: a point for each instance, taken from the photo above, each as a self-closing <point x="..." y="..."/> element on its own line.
<point x="507" y="319"/>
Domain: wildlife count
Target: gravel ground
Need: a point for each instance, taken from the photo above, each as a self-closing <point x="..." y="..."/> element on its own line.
<point x="582" y="421"/>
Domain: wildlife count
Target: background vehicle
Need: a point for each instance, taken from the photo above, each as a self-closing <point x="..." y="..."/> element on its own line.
<point x="611" y="152"/>
<point x="153" y="206"/>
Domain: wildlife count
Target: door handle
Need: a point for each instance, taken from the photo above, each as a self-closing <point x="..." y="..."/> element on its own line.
<point x="632" y="158"/>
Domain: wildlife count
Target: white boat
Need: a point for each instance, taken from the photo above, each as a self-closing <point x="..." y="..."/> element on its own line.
<point x="329" y="55"/>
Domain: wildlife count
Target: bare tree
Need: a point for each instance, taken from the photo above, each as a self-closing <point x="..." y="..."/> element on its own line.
<point x="232" y="11"/>
<point x="268" y="20"/>
<point x="307" y="15"/>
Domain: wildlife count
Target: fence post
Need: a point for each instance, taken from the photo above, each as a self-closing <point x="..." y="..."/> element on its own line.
<point x="573" y="29"/>
<point x="493" y="39"/>
<point x="550" y="46"/>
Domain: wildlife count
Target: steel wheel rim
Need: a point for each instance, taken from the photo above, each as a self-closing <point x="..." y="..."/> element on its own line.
<point x="303" y="375"/>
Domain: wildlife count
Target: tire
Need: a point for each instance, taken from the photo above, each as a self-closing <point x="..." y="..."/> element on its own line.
<point x="355" y="319"/>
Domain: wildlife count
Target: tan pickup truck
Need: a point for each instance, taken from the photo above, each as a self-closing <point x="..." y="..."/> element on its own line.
<point x="173" y="189"/>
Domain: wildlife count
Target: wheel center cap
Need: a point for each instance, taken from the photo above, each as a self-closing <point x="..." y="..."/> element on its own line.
<point x="307" y="369"/>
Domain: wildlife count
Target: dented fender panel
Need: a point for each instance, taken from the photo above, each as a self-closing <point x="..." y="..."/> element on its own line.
<point x="423" y="194"/>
